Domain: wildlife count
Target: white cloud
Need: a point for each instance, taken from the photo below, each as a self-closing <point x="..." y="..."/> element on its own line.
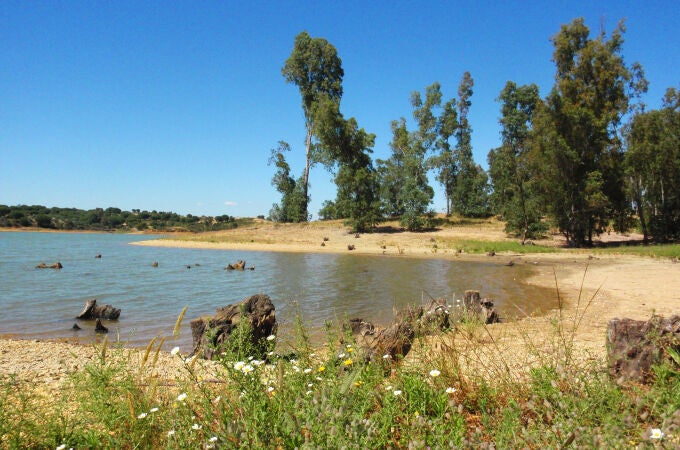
<point x="230" y="203"/>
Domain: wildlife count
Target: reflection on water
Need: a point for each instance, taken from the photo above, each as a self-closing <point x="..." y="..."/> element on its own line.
<point x="43" y="303"/>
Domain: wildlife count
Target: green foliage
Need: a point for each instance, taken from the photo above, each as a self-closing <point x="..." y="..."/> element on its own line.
<point x="293" y="207"/>
<point x="652" y="162"/>
<point x="575" y="132"/>
<point x="100" y="219"/>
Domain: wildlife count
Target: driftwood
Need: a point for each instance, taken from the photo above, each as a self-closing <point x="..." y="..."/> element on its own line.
<point x="211" y="333"/>
<point x="634" y="346"/>
<point x="93" y="311"/>
<point x="56" y="265"/>
<point x="395" y="340"/>
<point x="240" y="265"/>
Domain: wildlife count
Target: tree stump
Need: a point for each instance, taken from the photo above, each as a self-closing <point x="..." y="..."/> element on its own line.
<point x="211" y="333"/>
<point x="92" y="311"/>
<point x="634" y="346"/>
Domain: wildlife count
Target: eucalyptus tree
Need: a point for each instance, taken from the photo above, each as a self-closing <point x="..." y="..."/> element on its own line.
<point x="652" y="163"/>
<point x="316" y="69"/>
<point x="469" y="197"/>
<point x="576" y="129"/>
<point x="515" y="194"/>
<point x="293" y="206"/>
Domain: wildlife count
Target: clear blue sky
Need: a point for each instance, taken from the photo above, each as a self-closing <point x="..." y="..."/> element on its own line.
<point x="174" y="106"/>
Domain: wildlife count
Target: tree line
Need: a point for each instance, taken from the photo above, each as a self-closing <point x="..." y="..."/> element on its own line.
<point x="109" y="219"/>
<point x="586" y="159"/>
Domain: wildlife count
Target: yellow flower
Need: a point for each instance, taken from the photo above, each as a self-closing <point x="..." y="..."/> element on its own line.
<point x="358" y="383"/>
<point x="321" y="368"/>
<point x="347" y="362"/>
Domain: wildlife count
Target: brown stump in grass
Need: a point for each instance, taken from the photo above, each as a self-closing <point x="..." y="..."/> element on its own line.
<point x="93" y="311"/>
<point x="635" y="346"/>
<point x="211" y="333"/>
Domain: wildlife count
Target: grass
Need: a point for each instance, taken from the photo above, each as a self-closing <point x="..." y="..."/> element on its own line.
<point x="464" y="394"/>
<point x="652" y="250"/>
<point x="478" y="246"/>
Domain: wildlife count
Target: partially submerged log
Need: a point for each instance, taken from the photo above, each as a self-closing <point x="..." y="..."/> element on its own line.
<point x="240" y="265"/>
<point x="210" y="334"/>
<point x="99" y="328"/>
<point x="94" y="311"/>
<point x="56" y="265"/>
<point x="635" y="346"/>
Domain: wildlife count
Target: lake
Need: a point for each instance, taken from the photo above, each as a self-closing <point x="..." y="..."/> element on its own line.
<point x="43" y="303"/>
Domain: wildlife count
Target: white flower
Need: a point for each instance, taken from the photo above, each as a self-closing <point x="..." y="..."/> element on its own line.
<point x="312" y="355"/>
<point x="181" y="397"/>
<point x="174" y="351"/>
<point x="153" y="410"/>
<point x="250" y="358"/>
<point x="349" y="346"/>
<point x="297" y="369"/>
<point x="308" y="370"/>
<point x="171" y="432"/>
<point x="319" y="379"/>
<point x="196" y="426"/>
<point x="271" y="337"/>
<point x="434" y="373"/>
<point x="341" y="355"/>
<point x="247" y="369"/>
<point x="656" y="434"/>
<point x="308" y="393"/>
<point x="396" y="392"/>
<point x="217" y="400"/>
<point x="213" y="439"/>
<point x="270" y="354"/>
<point x="270" y="389"/>
<point x="257" y="362"/>
<point x="310" y="384"/>
<point x="61" y="447"/>
<point x="141" y="416"/>
<point x="387" y="356"/>
<point x="450" y="390"/>
<point x="389" y="388"/>
<point x="239" y="365"/>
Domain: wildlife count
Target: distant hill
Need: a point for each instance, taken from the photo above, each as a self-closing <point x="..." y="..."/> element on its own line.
<point x="110" y="219"/>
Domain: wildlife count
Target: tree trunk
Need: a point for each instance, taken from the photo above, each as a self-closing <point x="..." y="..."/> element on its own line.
<point x="308" y="151"/>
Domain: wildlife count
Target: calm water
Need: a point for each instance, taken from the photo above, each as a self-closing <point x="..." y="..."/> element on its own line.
<point x="39" y="303"/>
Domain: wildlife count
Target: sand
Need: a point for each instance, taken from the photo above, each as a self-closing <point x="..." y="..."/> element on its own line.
<point x="594" y="289"/>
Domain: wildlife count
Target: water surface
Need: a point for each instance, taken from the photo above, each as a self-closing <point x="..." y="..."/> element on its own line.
<point x="42" y="303"/>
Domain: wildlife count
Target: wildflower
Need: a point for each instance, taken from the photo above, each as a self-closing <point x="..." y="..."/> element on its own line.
<point x="181" y="397"/>
<point x="341" y="355"/>
<point x="310" y="384"/>
<point x="171" y="432"/>
<point x="358" y="383"/>
<point x="434" y="373"/>
<point x="247" y="369"/>
<point x="450" y="390"/>
<point x="388" y="388"/>
<point x="239" y="365"/>
<point x="656" y="434"/>
<point x="61" y="447"/>
<point x="319" y="379"/>
<point x="396" y="392"/>
<point x="308" y="393"/>
<point x="213" y="439"/>
<point x="217" y="400"/>
<point x="347" y="362"/>
<point x="196" y="427"/>
<point x="174" y="351"/>
<point x="270" y="353"/>
<point x="141" y="416"/>
<point x="271" y="337"/>
<point x="322" y="368"/>
<point x="387" y="356"/>
<point x="250" y="358"/>
<point x="349" y="346"/>
<point x="270" y="389"/>
<point x="153" y="410"/>
<point x="312" y="355"/>
<point x="350" y="350"/>
<point x="257" y="362"/>
<point x="307" y="370"/>
<point x="297" y="369"/>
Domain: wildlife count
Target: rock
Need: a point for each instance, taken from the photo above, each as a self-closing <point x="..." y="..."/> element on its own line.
<point x="75" y="327"/>
<point x="634" y="346"/>
<point x="350" y="247"/>
<point x="98" y="256"/>
<point x="210" y="334"/>
<point x="92" y="311"/>
<point x="99" y="328"/>
<point x="155" y="264"/>
<point x="56" y="265"/>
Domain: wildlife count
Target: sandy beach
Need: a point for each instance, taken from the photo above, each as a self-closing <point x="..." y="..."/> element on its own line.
<point x="594" y="289"/>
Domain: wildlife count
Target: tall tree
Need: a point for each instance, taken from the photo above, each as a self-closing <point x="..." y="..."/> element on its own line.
<point x="293" y="207"/>
<point x="316" y="69"/>
<point x="576" y="130"/>
<point x="349" y="148"/>
<point x="652" y="163"/>
<point x="515" y="196"/>
<point x="470" y="195"/>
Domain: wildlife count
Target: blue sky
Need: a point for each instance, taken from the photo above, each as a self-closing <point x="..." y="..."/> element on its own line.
<point x="174" y="106"/>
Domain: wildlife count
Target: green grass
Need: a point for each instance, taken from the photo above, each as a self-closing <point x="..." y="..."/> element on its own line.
<point x="477" y="246"/>
<point x="653" y="250"/>
<point x="333" y="399"/>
